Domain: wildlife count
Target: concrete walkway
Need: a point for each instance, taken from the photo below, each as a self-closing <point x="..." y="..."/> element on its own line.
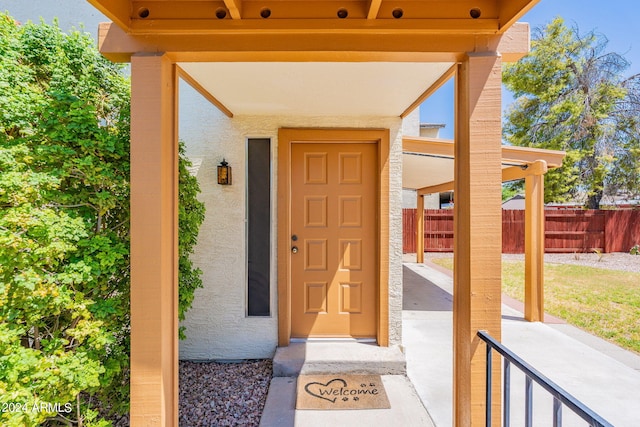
<point x="601" y="375"/>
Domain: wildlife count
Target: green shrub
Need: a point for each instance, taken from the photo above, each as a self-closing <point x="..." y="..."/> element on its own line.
<point x="64" y="229"/>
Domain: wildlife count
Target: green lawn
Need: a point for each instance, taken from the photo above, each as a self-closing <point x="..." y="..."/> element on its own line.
<point x="603" y="302"/>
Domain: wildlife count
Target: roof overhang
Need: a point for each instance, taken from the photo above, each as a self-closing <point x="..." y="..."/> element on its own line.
<point x="207" y="16"/>
<point x="427" y="164"/>
<point x="271" y="56"/>
<point x="352" y="70"/>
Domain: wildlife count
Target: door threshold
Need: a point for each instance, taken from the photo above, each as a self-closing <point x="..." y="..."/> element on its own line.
<point x="333" y="339"/>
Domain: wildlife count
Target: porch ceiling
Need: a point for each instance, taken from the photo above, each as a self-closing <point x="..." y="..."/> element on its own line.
<point x="316" y="88"/>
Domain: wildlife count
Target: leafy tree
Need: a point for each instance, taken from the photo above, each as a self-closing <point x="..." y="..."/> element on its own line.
<point x="509" y="191"/>
<point x="571" y="95"/>
<point x="64" y="229"/>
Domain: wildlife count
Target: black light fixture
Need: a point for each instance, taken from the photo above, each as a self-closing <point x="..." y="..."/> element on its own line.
<point x="224" y="173"/>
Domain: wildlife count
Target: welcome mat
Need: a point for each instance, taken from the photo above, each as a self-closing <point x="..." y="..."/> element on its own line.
<point x="341" y="392"/>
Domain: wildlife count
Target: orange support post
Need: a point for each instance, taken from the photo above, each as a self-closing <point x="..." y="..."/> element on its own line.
<point x="154" y="242"/>
<point x="477" y="235"/>
<point x="534" y="248"/>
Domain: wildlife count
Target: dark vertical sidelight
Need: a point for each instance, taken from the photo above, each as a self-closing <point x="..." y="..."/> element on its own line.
<point x="259" y="226"/>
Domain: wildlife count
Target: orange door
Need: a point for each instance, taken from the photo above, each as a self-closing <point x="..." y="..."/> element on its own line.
<point x="333" y="226"/>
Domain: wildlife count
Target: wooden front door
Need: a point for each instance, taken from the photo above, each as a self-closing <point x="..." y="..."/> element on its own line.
<point x="333" y="239"/>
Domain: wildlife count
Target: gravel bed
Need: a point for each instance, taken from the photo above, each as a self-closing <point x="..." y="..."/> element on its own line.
<point x="213" y="394"/>
<point x="223" y="394"/>
<point x="613" y="261"/>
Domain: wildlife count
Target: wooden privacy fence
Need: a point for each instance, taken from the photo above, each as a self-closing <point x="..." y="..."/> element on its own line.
<point x="565" y="230"/>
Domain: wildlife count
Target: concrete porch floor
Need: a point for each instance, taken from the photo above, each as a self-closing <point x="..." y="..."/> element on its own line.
<point x="603" y="376"/>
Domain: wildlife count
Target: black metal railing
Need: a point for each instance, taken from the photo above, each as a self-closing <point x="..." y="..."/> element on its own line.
<point x="560" y="396"/>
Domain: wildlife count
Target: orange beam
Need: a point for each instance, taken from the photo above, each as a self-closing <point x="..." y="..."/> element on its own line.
<point x="431" y="90"/>
<point x="267" y="40"/>
<point x="422" y="145"/>
<point x="440" y="188"/>
<point x="209" y="26"/>
<point x="553" y="158"/>
<point x="235" y="8"/>
<point x="512" y="10"/>
<point x="205" y="93"/>
<point x="119" y="11"/>
<point x="373" y="6"/>
<point x="518" y="172"/>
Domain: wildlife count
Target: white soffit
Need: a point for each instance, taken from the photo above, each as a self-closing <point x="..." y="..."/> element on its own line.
<point x="427" y="170"/>
<point x="419" y="171"/>
<point x="316" y="88"/>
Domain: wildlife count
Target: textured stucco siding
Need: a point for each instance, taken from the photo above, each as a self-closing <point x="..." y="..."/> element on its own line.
<point x="217" y="325"/>
<point x="395" y="236"/>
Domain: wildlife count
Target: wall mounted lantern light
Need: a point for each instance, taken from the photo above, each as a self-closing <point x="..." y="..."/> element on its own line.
<point x="224" y="173"/>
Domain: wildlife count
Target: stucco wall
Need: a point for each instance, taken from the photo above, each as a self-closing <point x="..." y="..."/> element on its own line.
<point x="217" y="327"/>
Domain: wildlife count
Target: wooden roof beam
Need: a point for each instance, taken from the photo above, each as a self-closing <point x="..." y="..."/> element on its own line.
<point x="202" y="91"/>
<point x="512" y="10"/>
<point x="235" y="8"/>
<point x="373" y="7"/>
<point x="431" y="90"/>
<point x="552" y="158"/>
<point x="272" y="40"/>
<point x="119" y="11"/>
<point x="191" y="26"/>
<point x="433" y="189"/>
<point x="422" y="145"/>
<point x="512" y="173"/>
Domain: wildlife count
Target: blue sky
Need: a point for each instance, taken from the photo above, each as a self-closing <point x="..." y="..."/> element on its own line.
<point x="616" y="19"/>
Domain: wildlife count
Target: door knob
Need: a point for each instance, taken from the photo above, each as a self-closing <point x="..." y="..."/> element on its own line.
<point x="294" y="250"/>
